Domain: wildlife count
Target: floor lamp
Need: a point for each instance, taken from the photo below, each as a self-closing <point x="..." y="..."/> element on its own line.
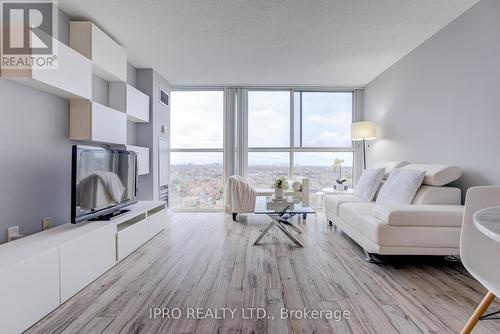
<point x="364" y="131"/>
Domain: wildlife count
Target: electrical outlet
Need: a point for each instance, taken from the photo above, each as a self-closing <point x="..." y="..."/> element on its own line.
<point x="12" y="233"/>
<point x="46" y="223"/>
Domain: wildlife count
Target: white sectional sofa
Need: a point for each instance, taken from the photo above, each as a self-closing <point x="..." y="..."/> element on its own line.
<point x="429" y="226"/>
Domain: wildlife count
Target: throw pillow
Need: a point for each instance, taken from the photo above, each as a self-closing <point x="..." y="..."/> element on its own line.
<point x="368" y="183"/>
<point x="400" y="187"/>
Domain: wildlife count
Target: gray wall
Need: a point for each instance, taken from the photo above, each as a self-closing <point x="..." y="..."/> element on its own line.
<point x="35" y="163"/>
<point x="440" y="103"/>
<point x="148" y="134"/>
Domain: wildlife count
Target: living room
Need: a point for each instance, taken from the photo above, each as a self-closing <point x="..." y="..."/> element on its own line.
<point x="227" y="166"/>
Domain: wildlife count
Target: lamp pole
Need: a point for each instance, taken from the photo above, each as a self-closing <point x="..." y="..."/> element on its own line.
<point x="364" y="154"/>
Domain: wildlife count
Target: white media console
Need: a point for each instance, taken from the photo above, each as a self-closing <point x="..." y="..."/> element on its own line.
<point x="40" y="272"/>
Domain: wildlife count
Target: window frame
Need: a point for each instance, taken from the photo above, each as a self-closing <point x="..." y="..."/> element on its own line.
<point x="201" y="150"/>
<point x="235" y="128"/>
<point x="292" y="148"/>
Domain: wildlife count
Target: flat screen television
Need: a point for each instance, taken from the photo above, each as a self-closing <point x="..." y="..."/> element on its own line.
<point x="104" y="182"/>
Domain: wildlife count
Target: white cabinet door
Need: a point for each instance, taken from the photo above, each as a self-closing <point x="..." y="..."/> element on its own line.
<point x="108" y="125"/>
<point x="157" y="222"/>
<point x="92" y="121"/>
<point x="73" y="73"/>
<point x="108" y="56"/>
<point x="109" y="59"/>
<point x="29" y="290"/>
<point x="131" y="238"/>
<point x="84" y="259"/>
<point x="72" y="78"/>
<point x="137" y="105"/>
<point x="130" y="100"/>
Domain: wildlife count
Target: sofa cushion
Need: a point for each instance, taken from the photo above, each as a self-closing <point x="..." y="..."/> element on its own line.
<point x="368" y="183"/>
<point x="400" y="187"/>
<point x="437" y="175"/>
<point x="333" y="202"/>
<point x="358" y="217"/>
<point x="420" y="215"/>
<point x="389" y="166"/>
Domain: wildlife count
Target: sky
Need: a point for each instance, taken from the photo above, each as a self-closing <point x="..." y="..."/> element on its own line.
<point x="197" y="122"/>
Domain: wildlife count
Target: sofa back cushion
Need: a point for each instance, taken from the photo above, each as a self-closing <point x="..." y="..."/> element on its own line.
<point x="400" y="187"/>
<point x="437" y="175"/>
<point x="438" y="195"/>
<point x="389" y="166"/>
<point x="368" y="183"/>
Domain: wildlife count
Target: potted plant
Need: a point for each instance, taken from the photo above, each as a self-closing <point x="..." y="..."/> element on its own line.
<point x="339" y="182"/>
<point x="280" y="185"/>
<point x="340" y="185"/>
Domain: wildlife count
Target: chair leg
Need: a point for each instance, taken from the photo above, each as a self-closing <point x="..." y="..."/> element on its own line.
<point x="234" y="216"/>
<point x="483" y="306"/>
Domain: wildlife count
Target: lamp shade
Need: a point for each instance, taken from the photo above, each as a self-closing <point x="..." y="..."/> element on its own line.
<point x="363" y="130"/>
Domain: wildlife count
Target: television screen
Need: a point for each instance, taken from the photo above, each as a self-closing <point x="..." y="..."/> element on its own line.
<point x="103" y="181"/>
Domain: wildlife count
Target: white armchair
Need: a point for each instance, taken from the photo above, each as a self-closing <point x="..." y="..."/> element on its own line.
<point x="240" y="196"/>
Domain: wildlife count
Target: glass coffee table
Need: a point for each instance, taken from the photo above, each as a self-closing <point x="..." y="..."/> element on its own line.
<point x="281" y="219"/>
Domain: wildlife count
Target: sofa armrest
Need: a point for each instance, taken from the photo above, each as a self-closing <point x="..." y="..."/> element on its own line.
<point x="420" y="215"/>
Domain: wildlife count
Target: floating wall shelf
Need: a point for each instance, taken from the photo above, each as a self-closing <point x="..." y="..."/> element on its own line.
<point x="129" y="100"/>
<point x="71" y="79"/>
<point x="91" y="121"/>
<point x="109" y="59"/>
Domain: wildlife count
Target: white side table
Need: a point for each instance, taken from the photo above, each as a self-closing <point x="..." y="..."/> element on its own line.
<point x="331" y="191"/>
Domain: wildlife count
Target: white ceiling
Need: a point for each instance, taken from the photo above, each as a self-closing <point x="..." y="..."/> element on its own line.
<point x="268" y="42"/>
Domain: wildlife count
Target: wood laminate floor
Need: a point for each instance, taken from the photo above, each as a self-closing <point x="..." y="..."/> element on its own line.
<point x="204" y="260"/>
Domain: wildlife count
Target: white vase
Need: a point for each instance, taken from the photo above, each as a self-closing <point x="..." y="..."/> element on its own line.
<point x="340" y="187"/>
<point x="278" y="193"/>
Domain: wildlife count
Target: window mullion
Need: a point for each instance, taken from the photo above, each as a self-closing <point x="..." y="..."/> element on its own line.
<point x="292" y="132"/>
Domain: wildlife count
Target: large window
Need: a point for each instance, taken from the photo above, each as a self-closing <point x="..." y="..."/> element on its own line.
<point x="196" y="180"/>
<point x="323" y="119"/>
<point x="269" y="133"/>
<point x="321" y="170"/>
<point x="268" y="119"/>
<point x="268" y="128"/>
<point x="303" y="142"/>
<point x="264" y="167"/>
<point x="196" y="159"/>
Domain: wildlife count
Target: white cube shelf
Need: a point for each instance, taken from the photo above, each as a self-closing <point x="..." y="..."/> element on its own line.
<point x="142" y="158"/>
<point x="108" y="58"/>
<point x="91" y="121"/>
<point x="72" y="78"/>
<point x="130" y="100"/>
